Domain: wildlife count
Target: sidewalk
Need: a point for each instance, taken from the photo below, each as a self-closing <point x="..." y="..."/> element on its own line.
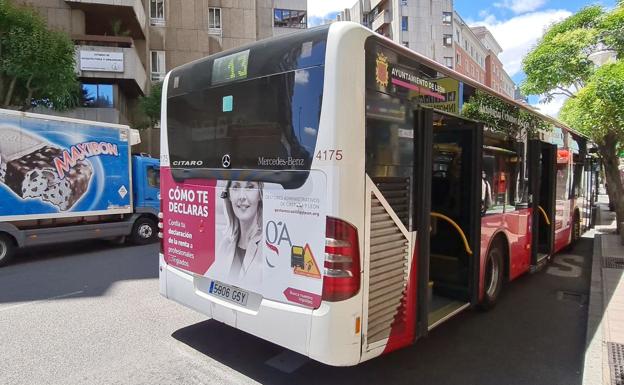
<point x="604" y="354"/>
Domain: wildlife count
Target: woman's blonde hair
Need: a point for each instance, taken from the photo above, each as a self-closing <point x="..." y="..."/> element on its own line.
<point x="232" y="230"/>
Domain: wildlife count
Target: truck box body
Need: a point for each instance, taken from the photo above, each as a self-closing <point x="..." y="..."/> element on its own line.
<point x="52" y="167"/>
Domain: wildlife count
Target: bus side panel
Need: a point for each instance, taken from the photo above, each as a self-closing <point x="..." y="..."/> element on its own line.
<point x="563" y="236"/>
<point x="334" y="336"/>
<point x="517" y="224"/>
<point x="403" y="333"/>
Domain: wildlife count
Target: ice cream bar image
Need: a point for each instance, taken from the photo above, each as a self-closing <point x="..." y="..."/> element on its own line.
<point x="296" y="257"/>
<point x="27" y="165"/>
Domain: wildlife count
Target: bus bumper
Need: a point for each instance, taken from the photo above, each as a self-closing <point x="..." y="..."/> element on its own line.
<point x="326" y="334"/>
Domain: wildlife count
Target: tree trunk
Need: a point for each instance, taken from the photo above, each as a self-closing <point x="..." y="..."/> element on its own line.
<point x="611" y="161"/>
<point x="9" y="95"/>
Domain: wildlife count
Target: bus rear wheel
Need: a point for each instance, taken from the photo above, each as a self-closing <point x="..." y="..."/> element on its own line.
<point x="7" y="249"/>
<point x="494" y="273"/>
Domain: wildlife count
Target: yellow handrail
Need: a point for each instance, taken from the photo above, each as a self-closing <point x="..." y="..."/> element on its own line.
<point x="544" y="214"/>
<point x="456" y="226"/>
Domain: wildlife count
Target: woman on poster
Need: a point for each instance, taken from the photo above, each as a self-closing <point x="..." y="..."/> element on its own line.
<point x="241" y="247"/>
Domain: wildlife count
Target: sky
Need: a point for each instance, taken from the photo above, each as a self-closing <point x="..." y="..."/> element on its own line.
<point x="516" y="25"/>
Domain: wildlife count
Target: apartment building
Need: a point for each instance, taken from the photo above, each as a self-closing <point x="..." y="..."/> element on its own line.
<point x="425" y="26"/>
<point x="496" y="76"/>
<point x="470" y="54"/>
<point x="124" y="46"/>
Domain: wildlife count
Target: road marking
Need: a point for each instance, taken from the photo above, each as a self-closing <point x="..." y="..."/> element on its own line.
<point x="42" y="300"/>
<point x="565" y="268"/>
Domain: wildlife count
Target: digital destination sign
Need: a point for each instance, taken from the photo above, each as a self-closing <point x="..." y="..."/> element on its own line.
<point x="230" y="68"/>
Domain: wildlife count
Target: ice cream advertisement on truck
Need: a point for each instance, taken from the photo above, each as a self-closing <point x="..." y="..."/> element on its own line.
<point x="60" y="167"/>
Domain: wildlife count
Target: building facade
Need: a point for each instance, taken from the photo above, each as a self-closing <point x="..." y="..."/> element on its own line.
<point x="425" y="26"/>
<point x="124" y="46"/>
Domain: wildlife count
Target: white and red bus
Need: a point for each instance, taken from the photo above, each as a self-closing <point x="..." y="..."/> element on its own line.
<point x="337" y="194"/>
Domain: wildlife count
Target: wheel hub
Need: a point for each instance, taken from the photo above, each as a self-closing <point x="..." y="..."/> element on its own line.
<point x="145" y="231"/>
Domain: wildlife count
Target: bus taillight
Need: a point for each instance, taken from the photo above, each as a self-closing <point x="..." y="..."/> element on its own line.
<point x="342" y="261"/>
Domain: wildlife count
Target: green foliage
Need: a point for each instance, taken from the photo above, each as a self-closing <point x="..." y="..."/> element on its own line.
<point x="36" y="64"/>
<point x="612" y="27"/>
<point x="150" y="106"/>
<point x="559" y="63"/>
<point x="586" y="18"/>
<point x="597" y="109"/>
<point x="503" y="117"/>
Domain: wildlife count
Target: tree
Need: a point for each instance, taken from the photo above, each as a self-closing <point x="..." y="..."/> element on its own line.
<point x="560" y="64"/>
<point x="150" y="105"/>
<point x="36" y="64"/>
<point x="596" y="111"/>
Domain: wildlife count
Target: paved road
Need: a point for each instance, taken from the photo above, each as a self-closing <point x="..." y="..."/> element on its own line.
<point x="90" y="313"/>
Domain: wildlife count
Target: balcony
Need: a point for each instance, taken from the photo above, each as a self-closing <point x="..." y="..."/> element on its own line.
<point x="100" y="13"/>
<point x="384" y="17"/>
<point x="112" y="59"/>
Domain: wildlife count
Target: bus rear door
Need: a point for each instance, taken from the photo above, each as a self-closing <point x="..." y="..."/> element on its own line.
<point x="542" y="168"/>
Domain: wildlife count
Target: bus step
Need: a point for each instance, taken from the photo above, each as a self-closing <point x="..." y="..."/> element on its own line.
<point x="542" y="259"/>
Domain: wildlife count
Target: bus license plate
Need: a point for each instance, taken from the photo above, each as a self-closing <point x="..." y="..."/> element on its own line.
<point x="230" y="293"/>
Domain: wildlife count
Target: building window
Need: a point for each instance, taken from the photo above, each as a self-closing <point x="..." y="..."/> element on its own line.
<point x="458" y="59"/>
<point x="97" y="95"/>
<point x="447" y="18"/>
<point x="158" y="70"/>
<point x="458" y="36"/>
<point x="448" y="61"/>
<point x="403" y="2"/>
<point x="288" y="18"/>
<point x="157" y="12"/>
<point x="466" y="45"/>
<point x="214" y="21"/>
<point x="404" y="23"/>
<point x="447" y="40"/>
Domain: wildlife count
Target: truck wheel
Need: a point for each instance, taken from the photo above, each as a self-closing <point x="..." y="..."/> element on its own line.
<point x="144" y="231"/>
<point x="493" y="282"/>
<point x="7" y="249"/>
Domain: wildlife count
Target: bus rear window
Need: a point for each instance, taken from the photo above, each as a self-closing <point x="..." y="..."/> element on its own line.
<point x="267" y="123"/>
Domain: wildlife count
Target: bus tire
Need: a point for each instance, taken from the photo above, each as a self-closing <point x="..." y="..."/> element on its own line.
<point x="144" y="231"/>
<point x="7" y="249"/>
<point x="494" y="275"/>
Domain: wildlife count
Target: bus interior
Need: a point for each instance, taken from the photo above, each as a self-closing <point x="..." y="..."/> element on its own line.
<point x="454" y="231"/>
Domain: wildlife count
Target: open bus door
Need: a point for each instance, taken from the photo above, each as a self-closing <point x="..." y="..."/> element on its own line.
<point x="542" y="173"/>
<point x="448" y="279"/>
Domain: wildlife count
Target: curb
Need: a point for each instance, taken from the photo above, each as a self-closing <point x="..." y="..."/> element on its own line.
<point x="595" y="348"/>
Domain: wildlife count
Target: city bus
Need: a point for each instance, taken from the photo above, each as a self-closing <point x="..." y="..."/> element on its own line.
<point x="340" y="195"/>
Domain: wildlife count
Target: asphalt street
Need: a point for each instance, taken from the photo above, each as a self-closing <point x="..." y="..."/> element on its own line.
<point x="90" y="313"/>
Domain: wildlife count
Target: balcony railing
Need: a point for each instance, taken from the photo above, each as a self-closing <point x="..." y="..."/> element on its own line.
<point x="384" y="17"/>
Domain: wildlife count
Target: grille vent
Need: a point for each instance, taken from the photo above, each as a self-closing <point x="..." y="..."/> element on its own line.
<point x="616" y="362"/>
<point x="389" y="252"/>
<point x="396" y="192"/>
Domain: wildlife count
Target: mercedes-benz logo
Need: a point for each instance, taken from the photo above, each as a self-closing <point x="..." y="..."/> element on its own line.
<point x="225" y="161"/>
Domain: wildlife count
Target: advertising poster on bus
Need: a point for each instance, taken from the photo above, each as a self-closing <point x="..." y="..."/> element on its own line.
<point x="250" y="235"/>
<point x="61" y="168"/>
